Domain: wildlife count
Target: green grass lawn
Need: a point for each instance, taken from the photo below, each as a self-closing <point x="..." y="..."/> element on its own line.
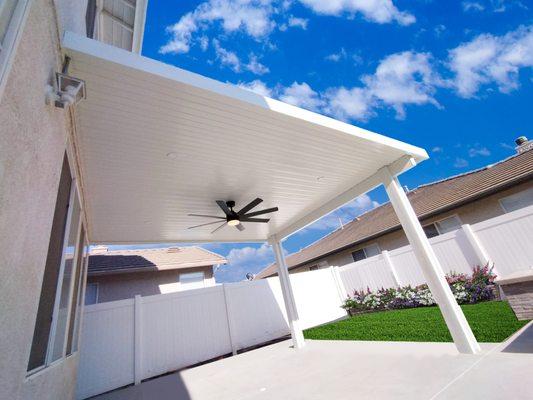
<point x="491" y="321"/>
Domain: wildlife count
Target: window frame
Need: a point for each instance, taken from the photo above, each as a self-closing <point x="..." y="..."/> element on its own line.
<point x="11" y="40"/>
<point x="364" y="251"/>
<point x="436" y="224"/>
<point x="48" y="362"/>
<point x="182" y="285"/>
<point x="500" y="200"/>
<point x="97" y="292"/>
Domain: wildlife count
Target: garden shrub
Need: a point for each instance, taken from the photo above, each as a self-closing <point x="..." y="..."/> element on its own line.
<point x="466" y="290"/>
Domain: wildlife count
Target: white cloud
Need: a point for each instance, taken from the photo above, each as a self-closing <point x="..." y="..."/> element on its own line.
<point x="399" y="80"/>
<point x="460" y="163"/>
<point x="296" y="22"/>
<point x="204" y="43"/>
<point x="380" y="11"/>
<point x="345" y="104"/>
<point x="257" y="18"/>
<point x="253" y="17"/>
<point x="478" y="151"/>
<point x="335" y="57"/>
<point x="404" y="78"/>
<point x="181" y="35"/>
<point x="257" y="86"/>
<point x="243" y="260"/>
<point x="437" y="149"/>
<point x="255" y="66"/>
<point x="410" y="78"/>
<point x="301" y="95"/>
<point x="344" y="214"/>
<point x="472" y="6"/>
<point x="226" y="57"/>
<point x="490" y="59"/>
<point x="231" y="60"/>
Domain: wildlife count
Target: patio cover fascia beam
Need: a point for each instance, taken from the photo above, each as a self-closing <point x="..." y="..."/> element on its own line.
<point x="397" y="167"/>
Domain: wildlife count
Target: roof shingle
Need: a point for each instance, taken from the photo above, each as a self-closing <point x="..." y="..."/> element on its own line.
<point x="118" y="261"/>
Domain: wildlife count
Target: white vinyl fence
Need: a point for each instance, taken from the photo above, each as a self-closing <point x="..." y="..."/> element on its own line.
<point x="130" y="340"/>
<point x="506" y="241"/>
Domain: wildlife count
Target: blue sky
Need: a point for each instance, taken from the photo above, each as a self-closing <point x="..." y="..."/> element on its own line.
<point x="454" y="77"/>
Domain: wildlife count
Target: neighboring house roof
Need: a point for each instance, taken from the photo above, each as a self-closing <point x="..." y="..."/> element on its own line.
<point x="427" y="200"/>
<point x="120" y="261"/>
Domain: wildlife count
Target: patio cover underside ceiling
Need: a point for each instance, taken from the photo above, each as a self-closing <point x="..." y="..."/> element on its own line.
<point x="156" y="142"/>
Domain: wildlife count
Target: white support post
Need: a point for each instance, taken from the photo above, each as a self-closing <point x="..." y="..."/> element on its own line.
<point x="475" y="244"/>
<point x="453" y="315"/>
<point x="388" y="261"/>
<point x="228" y="318"/>
<point x="288" y="296"/>
<point x="137" y="331"/>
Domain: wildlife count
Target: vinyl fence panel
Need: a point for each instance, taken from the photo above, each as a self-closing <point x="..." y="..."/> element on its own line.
<point x="182" y="329"/>
<point x="372" y="273"/>
<point x="508" y="240"/>
<point x="317" y="297"/>
<point x="107" y="348"/>
<point x="127" y="341"/>
<point x="256" y="312"/>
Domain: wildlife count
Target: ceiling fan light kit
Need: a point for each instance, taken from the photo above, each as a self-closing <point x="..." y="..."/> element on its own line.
<point x="234" y="218"/>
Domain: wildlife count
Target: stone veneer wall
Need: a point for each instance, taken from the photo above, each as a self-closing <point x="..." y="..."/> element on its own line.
<point x="520" y="297"/>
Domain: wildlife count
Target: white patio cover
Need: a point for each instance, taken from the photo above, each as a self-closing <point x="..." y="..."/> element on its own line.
<point x="156" y="142"/>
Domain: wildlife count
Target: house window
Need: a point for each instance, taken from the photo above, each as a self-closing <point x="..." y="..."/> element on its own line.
<point x="90" y="18"/>
<point x="443" y="226"/>
<point x="119" y="23"/>
<point x="12" y="13"/>
<point x="192" y="280"/>
<point x="313" y="268"/>
<point x="55" y="324"/>
<point x="91" y="294"/>
<point x="366" y="252"/>
<point x="517" y="201"/>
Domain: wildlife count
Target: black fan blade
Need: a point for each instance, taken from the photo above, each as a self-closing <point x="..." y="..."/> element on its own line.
<point x="240" y="227"/>
<point x="244" y="219"/>
<point x="208" y="223"/>
<point x="266" y="211"/>
<point x="206" y="216"/>
<point x="219" y="227"/>
<point x="222" y="204"/>
<point x="252" y="204"/>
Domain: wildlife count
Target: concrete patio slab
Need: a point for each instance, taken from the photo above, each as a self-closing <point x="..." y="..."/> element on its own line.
<point x="350" y="369"/>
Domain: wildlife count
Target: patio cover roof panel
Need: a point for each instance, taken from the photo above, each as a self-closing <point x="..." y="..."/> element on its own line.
<point x="224" y="143"/>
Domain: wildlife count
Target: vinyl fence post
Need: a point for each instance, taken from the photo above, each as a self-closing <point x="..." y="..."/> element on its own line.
<point x="388" y="261"/>
<point x="137" y="348"/>
<point x="480" y="252"/>
<point x="338" y="283"/>
<point x="228" y="319"/>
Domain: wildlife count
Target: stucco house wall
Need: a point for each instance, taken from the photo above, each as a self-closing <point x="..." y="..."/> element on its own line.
<point x="127" y="285"/>
<point x="33" y="137"/>
<point x="471" y="213"/>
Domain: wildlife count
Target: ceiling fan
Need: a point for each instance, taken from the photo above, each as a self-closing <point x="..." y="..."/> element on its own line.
<point x="234" y="218"/>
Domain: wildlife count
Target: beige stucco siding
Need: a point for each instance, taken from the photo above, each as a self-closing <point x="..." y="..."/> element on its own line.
<point x="32" y="144"/>
<point x="127" y="285"/>
<point x="477" y="211"/>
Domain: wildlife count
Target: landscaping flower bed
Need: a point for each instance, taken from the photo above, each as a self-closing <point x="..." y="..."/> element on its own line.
<point x="479" y="286"/>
